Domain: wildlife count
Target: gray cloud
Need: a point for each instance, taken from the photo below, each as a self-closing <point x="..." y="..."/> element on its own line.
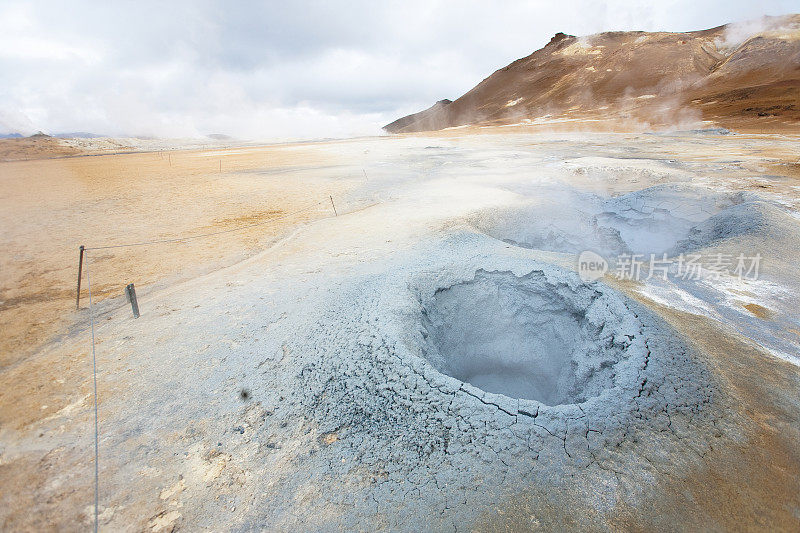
<point x="282" y="69"/>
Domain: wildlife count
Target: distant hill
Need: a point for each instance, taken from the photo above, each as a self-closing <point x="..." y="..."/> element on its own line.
<point x="743" y="76"/>
<point x="37" y="146"/>
<point x="421" y="118"/>
<point x="70" y="135"/>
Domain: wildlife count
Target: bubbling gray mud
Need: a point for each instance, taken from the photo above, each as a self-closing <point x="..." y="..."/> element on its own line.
<point x="524" y="337"/>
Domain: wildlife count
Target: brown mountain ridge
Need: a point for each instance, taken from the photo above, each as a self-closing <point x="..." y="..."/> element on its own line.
<point x="742" y="76"/>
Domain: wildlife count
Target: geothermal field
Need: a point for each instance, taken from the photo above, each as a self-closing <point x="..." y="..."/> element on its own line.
<point x="565" y="300"/>
<point x="496" y="329"/>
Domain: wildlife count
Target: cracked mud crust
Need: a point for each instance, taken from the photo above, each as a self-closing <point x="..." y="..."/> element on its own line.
<point x="420" y="436"/>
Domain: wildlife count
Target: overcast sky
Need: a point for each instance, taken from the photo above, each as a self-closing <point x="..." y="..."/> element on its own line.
<point x="263" y="70"/>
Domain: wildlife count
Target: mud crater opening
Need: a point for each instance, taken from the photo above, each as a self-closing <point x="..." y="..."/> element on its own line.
<point x="525" y="337"/>
<point x="653" y="220"/>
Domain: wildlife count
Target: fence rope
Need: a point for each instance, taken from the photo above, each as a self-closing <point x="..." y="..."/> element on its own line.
<point x="96" y="432"/>
<point x="192" y="237"/>
<point x="91" y="321"/>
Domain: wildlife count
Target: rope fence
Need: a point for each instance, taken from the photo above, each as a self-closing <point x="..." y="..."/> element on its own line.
<point x="200" y="236"/>
<point x="83" y="249"/>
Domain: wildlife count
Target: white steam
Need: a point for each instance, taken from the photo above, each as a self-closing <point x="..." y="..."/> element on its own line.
<point x="738" y="33"/>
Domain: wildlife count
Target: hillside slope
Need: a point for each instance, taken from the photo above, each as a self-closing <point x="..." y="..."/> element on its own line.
<point x="741" y="76"/>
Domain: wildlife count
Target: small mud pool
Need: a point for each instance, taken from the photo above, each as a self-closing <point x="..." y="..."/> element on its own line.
<point x="527" y="337"/>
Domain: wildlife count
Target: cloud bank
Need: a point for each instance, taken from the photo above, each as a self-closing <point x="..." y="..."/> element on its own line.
<point x="265" y="70"/>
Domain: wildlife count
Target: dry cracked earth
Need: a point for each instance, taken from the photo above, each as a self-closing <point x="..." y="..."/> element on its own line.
<point x="430" y="359"/>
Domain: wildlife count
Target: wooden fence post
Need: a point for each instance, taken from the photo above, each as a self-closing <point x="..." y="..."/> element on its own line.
<point x="130" y="295"/>
<point x="80" y="272"/>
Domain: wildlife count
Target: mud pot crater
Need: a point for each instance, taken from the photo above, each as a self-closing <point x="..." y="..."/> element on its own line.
<point x="554" y="341"/>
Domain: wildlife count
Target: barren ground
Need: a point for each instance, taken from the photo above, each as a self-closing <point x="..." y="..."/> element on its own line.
<point x="318" y="320"/>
